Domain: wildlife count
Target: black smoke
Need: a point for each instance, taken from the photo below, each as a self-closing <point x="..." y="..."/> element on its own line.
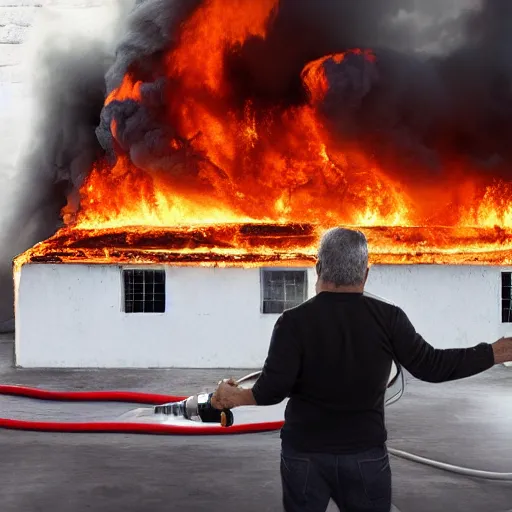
<point x="445" y="93"/>
<point x="441" y="85"/>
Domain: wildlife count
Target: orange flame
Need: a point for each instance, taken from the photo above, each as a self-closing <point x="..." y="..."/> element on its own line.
<point x="128" y="90"/>
<point x="211" y="31"/>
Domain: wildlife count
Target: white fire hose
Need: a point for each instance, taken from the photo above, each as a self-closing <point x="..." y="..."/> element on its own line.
<point x="459" y="470"/>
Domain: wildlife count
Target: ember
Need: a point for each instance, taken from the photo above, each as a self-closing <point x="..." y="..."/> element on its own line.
<point x="198" y="167"/>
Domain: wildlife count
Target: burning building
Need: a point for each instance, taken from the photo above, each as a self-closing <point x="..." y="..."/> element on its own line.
<point x="230" y="135"/>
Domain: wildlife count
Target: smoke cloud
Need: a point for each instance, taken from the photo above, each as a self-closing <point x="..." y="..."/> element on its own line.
<point x="441" y="86"/>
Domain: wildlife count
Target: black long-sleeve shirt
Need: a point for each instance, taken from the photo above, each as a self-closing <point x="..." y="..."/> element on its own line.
<point x="332" y="356"/>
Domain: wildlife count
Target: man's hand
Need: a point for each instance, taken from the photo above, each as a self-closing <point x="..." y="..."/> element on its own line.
<point x="225" y="397"/>
<point x="502" y="350"/>
<point x="228" y="395"/>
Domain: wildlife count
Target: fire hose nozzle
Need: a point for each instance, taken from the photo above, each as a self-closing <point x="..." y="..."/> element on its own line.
<point x="197" y="408"/>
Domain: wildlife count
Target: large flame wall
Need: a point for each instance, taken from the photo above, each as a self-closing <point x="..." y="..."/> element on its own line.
<point x="190" y="140"/>
<point x="214" y="126"/>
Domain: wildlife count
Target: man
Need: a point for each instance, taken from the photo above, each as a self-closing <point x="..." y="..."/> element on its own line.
<point x="332" y="356"/>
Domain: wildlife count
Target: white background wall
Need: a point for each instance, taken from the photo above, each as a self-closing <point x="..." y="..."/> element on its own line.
<point x="71" y="315"/>
<point x="17" y="18"/>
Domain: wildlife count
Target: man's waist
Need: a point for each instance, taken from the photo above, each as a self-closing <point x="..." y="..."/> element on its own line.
<point x="323" y="428"/>
<point x="305" y="410"/>
<point x="331" y="441"/>
<point x="325" y="439"/>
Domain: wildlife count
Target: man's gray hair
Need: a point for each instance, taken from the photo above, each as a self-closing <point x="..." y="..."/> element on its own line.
<point x="343" y="257"/>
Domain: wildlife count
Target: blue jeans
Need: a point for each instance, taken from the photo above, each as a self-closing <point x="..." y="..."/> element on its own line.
<point x="358" y="482"/>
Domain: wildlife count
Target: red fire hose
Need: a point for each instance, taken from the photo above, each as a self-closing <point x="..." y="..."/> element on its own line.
<point x="156" y="428"/>
<point x="113" y="426"/>
<point x="89" y="396"/>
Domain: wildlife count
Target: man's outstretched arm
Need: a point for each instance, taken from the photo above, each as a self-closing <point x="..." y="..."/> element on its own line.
<point x="441" y="365"/>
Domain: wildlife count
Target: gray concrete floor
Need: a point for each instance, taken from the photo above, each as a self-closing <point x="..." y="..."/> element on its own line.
<point x="467" y="423"/>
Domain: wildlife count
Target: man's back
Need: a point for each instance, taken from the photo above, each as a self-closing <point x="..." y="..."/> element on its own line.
<point x="337" y="349"/>
<point x="337" y="403"/>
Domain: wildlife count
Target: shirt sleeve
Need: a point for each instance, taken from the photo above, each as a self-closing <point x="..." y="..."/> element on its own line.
<point x="436" y="365"/>
<point x="281" y="366"/>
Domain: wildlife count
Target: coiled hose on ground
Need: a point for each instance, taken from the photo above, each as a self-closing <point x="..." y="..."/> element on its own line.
<point x="156" y="428"/>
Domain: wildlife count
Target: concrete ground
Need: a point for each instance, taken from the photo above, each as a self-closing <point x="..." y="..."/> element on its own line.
<point x="466" y="423"/>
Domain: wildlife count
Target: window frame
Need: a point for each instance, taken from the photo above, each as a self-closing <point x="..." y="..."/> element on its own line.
<point x="263" y="270"/>
<point x="144" y="268"/>
<point x="503" y="299"/>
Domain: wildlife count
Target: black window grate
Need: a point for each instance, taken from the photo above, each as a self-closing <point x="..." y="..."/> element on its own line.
<point x="283" y="289"/>
<point x="506" y="297"/>
<point x="144" y="291"/>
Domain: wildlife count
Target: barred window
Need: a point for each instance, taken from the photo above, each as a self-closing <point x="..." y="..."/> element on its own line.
<point x="144" y="291"/>
<point x="282" y="289"/>
<point x="506" y="297"/>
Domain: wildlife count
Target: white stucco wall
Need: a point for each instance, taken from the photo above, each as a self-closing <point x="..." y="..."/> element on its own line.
<point x="17" y="18"/>
<point x="71" y="315"/>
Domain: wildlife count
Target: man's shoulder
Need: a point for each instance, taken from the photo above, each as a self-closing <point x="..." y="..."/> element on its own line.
<point x="298" y="311"/>
<point x="376" y="299"/>
<point x="385" y="306"/>
<point x="313" y="303"/>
